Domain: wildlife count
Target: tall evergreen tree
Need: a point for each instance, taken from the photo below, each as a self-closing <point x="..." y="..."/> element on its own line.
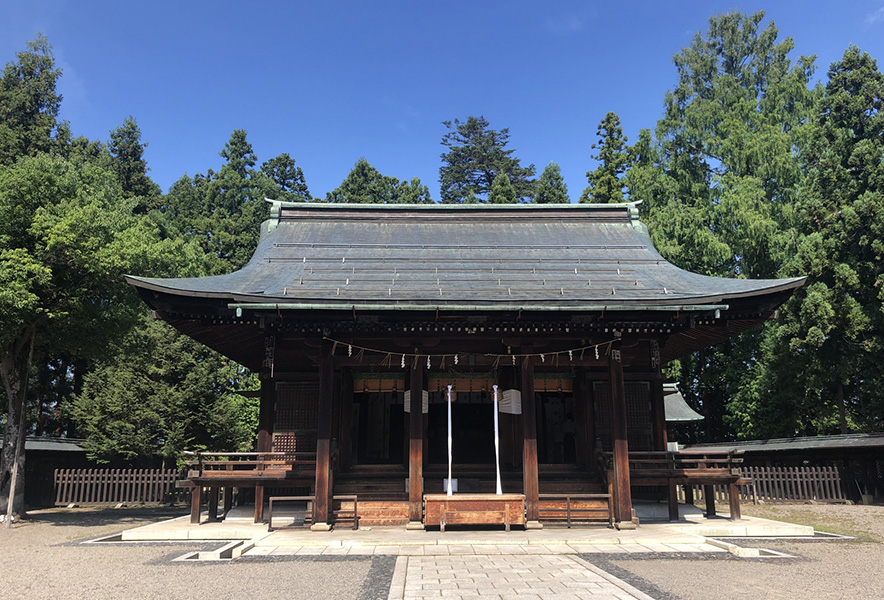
<point x="365" y="185"/>
<point x="606" y="182"/>
<point x="29" y="103"/>
<point x="832" y="330"/>
<point x="286" y="179"/>
<point x="127" y="149"/>
<point x="475" y="156"/>
<point x="720" y="184"/>
<point x="502" y="191"/>
<point x="551" y="187"/>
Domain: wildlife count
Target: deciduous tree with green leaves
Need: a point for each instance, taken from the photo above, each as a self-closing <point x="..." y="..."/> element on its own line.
<point x="67" y="235"/>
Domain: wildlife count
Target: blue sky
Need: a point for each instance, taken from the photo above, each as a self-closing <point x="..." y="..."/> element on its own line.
<point x="328" y="82"/>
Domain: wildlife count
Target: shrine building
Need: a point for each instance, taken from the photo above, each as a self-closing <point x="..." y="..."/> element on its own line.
<point x="386" y="334"/>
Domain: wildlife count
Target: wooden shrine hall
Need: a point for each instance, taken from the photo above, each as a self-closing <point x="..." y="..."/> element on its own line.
<point x="359" y="318"/>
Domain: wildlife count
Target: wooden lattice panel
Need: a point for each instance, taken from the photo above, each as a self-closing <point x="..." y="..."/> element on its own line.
<point x="601" y="394"/>
<point x="297" y="415"/>
<point x="295" y="441"/>
<point x="297" y="406"/>
<point x="638" y="414"/>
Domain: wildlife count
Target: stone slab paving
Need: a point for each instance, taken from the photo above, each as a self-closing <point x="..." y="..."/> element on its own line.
<point x="488" y="577"/>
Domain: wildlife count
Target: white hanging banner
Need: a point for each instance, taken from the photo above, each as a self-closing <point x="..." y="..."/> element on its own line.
<point x="448" y="481"/>
<point x="496" y="443"/>
<point x="425" y="401"/>
<point x="511" y="403"/>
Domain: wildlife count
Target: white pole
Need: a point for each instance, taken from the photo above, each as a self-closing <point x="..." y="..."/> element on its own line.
<point x="449" y="441"/>
<point x="497" y="443"/>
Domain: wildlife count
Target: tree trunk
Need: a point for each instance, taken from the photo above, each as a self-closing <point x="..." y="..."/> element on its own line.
<point x="15" y="367"/>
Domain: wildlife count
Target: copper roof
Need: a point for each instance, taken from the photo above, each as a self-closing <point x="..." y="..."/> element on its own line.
<point x="486" y="257"/>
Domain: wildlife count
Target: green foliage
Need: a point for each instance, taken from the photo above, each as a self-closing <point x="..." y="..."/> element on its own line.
<point x="719" y="191"/>
<point x="723" y="201"/>
<point x="287" y="180"/>
<point x="161" y="393"/>
<point x="223" y="211"/>
<point x="127" y="150"/>
<point x="833" y="329"/>
<point x="29" y="103"/>
<point x="502" y="191"/>
<point x="476" y="155"/>
<point x="365" y="185"/>
<point x="606" y="181"/>
<point x="551" y="187"/>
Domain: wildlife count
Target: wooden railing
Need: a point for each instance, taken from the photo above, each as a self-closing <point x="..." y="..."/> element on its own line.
<point x="784" y="484"/>
<point x="242" y="464"/>
<point x="116" y="486"/>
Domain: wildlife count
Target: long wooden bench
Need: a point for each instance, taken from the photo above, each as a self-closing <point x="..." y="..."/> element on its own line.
<point x="577" y="507"/>
<point x="671" y="469"/>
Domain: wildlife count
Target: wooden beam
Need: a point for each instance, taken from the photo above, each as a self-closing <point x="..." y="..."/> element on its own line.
<point x="323" y="438"/>
<point x="416" y="444"/>
<point x="622" y="492"/>
<point x="530" y="477"/>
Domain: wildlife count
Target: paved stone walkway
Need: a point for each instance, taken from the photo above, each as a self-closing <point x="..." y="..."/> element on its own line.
<point x="522" y="577"/>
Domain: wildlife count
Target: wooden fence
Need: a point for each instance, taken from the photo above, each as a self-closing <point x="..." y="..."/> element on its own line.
<point x="115" y="486"/>
<point x="783" y="484"/>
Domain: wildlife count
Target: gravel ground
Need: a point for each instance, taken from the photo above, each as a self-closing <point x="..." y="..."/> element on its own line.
<point x="821" y="570"/>
<point x="43" y="558"/>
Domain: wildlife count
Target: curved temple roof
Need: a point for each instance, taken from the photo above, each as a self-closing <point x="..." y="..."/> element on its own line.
<point x="489" y="257"/>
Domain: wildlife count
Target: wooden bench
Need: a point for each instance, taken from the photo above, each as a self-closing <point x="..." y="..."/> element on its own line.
<point x="474" y="509"/>
<point x="575" y="506"/>
<point x="671" y="469"/>
<point x="342" y="514"/>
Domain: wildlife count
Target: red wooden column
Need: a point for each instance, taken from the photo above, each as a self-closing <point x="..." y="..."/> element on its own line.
<point x="622" y="492"/>
<point x="416" y="446"/>
<point x="530" y="478"/>
<point x="323" y="438"/>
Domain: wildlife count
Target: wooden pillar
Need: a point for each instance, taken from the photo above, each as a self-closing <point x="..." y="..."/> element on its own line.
<point x="345" y="432"/>
<point x="213" y="503"/>
<point x="622" y="492"/>
<point x="584" y="420"/>
<point x="416" y="445"/>
<point x="196" y="499"/>
<point x="658" y="413"/>
<point x="530" y="478"/>
<point x="323" y="438"/>
<point x="266" y="416"/>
